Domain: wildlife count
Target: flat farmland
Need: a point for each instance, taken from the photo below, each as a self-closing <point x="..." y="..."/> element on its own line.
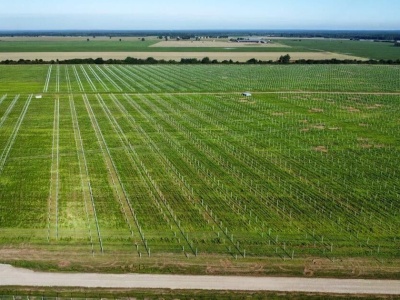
<point x="215" y="44"/>
<point x="198" y="78"/>
<point x="53" y="48"/>
<point x="172" y="162"/>
<point x="303" y="48"/>
<point x="20" y="45"/>
<point x="366" y="49"/>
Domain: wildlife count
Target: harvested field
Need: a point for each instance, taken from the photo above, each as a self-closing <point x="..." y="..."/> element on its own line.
<point x="215" y="44"/>
<point x="235" y="56"/>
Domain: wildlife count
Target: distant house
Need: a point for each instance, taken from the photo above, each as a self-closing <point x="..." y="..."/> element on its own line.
<point x="246" y="94"/>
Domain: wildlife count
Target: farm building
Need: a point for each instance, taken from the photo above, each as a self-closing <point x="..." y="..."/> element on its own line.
<point x="253" y="40"/>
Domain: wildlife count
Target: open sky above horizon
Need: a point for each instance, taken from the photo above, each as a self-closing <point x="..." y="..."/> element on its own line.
<point x="199" y="14"/>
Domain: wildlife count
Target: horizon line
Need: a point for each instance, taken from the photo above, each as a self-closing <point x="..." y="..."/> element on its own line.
<point x="225" y="29"/>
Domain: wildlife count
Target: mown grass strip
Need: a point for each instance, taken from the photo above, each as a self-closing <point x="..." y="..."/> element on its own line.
<point x="9" y="109"/>
<point x="78" y="79"/>
<point x="90" y="208"/>
<point x="54" y="176"/>
<point x="46" y="85"/>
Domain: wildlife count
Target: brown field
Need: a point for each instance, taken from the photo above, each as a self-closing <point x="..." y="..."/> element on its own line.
<point x="220" y="56"/>
<point x="214" y="44"/>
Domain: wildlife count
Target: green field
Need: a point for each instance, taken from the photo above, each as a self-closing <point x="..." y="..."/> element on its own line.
<point x="123" y="46"/>
<point x="198" y="78"/>
<point x="171" y="161"/>
<point x="366" y="49"/>
<point x="74" y="46"/>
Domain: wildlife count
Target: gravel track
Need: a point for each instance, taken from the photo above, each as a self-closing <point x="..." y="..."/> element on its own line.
<point x="10" y="276"/>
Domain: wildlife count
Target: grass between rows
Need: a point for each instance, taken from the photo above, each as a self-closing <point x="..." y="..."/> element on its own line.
<point x="291" y="183"/>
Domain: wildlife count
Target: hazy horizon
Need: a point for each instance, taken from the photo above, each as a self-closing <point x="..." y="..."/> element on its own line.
<point x="200" y="15"/>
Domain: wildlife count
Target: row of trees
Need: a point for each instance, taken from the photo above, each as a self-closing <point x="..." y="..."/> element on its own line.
<point x="284" y="59"/>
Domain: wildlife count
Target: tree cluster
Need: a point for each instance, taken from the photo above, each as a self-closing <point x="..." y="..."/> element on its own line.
<point x="284" y="59"/>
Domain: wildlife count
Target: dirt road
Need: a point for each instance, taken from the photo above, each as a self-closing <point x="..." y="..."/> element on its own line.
<point x="10" y="276"/>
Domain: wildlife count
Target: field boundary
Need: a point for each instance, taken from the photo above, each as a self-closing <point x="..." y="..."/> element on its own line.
<point x="235" y="56"/>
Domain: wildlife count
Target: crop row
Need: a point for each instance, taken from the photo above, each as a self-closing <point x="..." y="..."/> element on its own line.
<point x="199" y="78"/>
<point x="282" y="175"/>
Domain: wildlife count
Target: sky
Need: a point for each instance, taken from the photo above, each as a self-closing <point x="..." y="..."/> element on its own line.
<point x="199" y="14"/>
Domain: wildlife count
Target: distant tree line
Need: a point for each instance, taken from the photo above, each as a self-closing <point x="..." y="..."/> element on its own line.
<point x="284" y="60"/>
<point x="379" y="35"/>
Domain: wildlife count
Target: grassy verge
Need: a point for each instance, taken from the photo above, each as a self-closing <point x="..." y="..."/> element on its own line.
<point x="118" y="262"/>
<point x="73" y="293"/>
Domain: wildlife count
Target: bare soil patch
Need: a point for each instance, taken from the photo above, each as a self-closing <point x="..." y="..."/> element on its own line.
<point x="322" y="149"/>
<point x="366" y="143"/>
<point x="352" y="109"/>
<point x="316" y="110"/>
<point x="366" y="146"/>
<point x="362" y="139"/>
<point x="246" y="101"/>
<point x="370" y="146"/>
<point x="375" y="106"/>
<point x="319" y="127"/>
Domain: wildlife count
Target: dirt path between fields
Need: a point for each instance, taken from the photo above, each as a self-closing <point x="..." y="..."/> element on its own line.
<point x="10" y="276"/>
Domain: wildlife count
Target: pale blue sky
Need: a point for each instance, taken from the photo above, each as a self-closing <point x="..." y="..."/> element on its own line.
<point x="199" y="14"/>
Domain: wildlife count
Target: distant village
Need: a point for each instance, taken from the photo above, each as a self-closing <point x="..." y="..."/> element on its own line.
<point x="253" y="40"/>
